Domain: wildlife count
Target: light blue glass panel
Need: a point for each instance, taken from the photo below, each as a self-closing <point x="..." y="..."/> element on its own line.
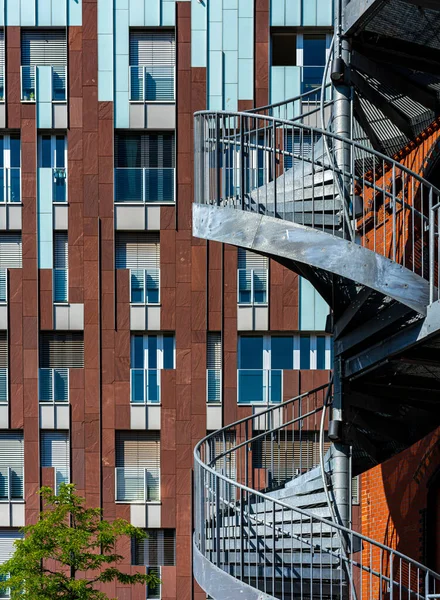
<point x="137" y="386"/>
<point x="260" y="286"/>
<point x="137" y="286"/>
<point x="3" y="385"/>
<point x="152" y="285"/>
<point x="214" y="385"/>
<point x="60" y="285"/>
<point x="2" y="184"/>
<point x="75" y="12"/>
<point x="244" y="286"/>
<point x="28" y="9"/>
<point x="3" y="285"/>
<point x="250" y="386"/>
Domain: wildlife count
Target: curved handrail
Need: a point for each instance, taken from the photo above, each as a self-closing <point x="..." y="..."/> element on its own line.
<point x="280" y="168"/>
<point x="242" y="530"/>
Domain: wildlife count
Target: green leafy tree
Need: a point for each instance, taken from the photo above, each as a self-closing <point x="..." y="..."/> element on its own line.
<point x="57" y="555"/>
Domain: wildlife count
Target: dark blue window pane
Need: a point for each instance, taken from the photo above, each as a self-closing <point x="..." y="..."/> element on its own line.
<point x="275" y="386"/>
<point x="251" y="352"/>
<point x="314" y="50"/>
<point x="168" y="352"/>
<point x="250" y="386"/>
<point x="137" y="386"/>
<point x="2" y="184"/>
<point x="60" y="151"/>
<point x="152" y="390"/>
<point x="15" y="151"/>
<point x="312" y="78"/>
<point x="2" y="143"/>
<point x="46" y="154"/>
<point x="320" y="352"/>
<point x="282" y="352"/>
<point x="304" y="352"/>
<point x="152" y="351"/>
<point x="14" y="182"/>
<point x="137" y="360"/>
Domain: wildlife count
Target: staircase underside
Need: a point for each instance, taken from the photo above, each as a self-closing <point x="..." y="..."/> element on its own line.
<point x="388" y="342"/>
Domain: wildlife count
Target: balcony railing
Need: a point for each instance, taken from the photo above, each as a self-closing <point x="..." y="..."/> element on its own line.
<point x="145" y="386"/>
<point x="10" y="184"/>
<point x="11" y="484"/>
<point x="137" y="484"/>
<point x="3" y="286"/>
<point x="60" y="285"/>
<point x="252" y="286"/>
<point x="29" y="87"/>
<point x="3" y="385"/>
<point x="260" y="386"/>
<point x="213" y="385"/>
<point x="59" y="186"/>
<point x="144" y="286"/>
<point x="144" y="185"/>
<point x="54" y="385"/>
<point x="152" y="84"/>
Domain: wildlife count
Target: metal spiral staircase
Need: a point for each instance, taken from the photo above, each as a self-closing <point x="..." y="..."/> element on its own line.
<point x="272" y="518"/>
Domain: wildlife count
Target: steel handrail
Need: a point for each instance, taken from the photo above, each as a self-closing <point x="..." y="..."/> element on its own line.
<point x="310" y="516"/>
<point x="320" y="132"/>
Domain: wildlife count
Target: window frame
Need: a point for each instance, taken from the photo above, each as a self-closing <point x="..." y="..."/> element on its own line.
<point x="160" y="355"/>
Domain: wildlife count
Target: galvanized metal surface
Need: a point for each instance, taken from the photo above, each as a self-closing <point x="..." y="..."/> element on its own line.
<point x="313" y="247"/>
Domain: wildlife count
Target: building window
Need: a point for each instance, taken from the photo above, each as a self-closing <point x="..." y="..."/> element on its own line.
<point x="154" y="592"/>
<point x="283" y="49"/>
<point x="140" y="252"/>
<point x="314" y="57"/>
<point x="157" y="550"/>
<point x="8" y="536"/>
<point x="4" y="393"/>
<point x="253" y="275"/>
<point x="52" y="154"/>
<point x="138" y="467"/>
<point x="214" y="367"/>
<point x="11" y="465"/>
<point x="10" y="168"/>
<point x="10" y="250"/>
<point x="262" y="360"/>
<point x="2" y="64"/>
<point x="55" y="453"/>
<point x="149" y="355"/>
<point x="286" y="454"/>
<point x="60" y="266"/>
<point x="59" y="352"/>
<point x="152" y="65"/>
<point x="44" y="50"/>
<point x="144" y="167"/>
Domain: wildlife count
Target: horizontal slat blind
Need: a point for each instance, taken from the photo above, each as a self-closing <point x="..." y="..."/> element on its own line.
<point x="58" y="350"/>
<point x="284" y="458"/>
<point x="43" y="47"/>
<point x="137" y="251"/>
<point x="60" y="249"/>
<point x="217" y="446"/>
<point x="2" y="48"/>
<point x="3" y="349"/>
<point x="144" y="150"/>
<point x="8" y="535"/>
<point x="11" y="456"/>
<point x="10" y="250"/>
<point x="152" y="48"/>
<point x="158" y="550"/>
<point x="137" y="452"/>
<point x="214" y="354"/>
<point x="250" y="260"/>
<point x="55" y="453"/>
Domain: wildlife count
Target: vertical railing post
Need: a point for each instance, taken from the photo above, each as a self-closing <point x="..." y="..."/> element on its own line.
<point x="274" y="167"/>
<point x="217" y="159"/>
<point x="431" y="249"/>
<point x="217" y="519"/>
<point x="242" y="162"/>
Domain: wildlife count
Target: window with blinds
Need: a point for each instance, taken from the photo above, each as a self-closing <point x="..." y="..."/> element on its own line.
<point x="137" y="466"/>
<point x="11" y="465"/>
<point x="58" y="350"/>
<point x="2" y="64"/>
<point x="137" y="250"/>
<point x="144" y="150"/>
<point x="3" y="367"/>
<point x="152" y="65"/>
<point x="301" y="146"/>
<point x="214" y="366"/>
<point x="287" y="454"/>
<point x="157" y="550"/>
<point x="10" y="250"/>
<point x="43" y="48"/>
<point x="8" y="535"/>
<point x="252" y="277"/>
<point x="60" y="266"/>
<point x="55" y="452"/>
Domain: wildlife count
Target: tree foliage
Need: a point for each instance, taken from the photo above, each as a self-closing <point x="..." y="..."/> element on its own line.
<point x="68" y="552"/>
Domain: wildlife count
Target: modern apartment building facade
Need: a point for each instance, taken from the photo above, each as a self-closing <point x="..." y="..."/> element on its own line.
<point x="123" y="338"/>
